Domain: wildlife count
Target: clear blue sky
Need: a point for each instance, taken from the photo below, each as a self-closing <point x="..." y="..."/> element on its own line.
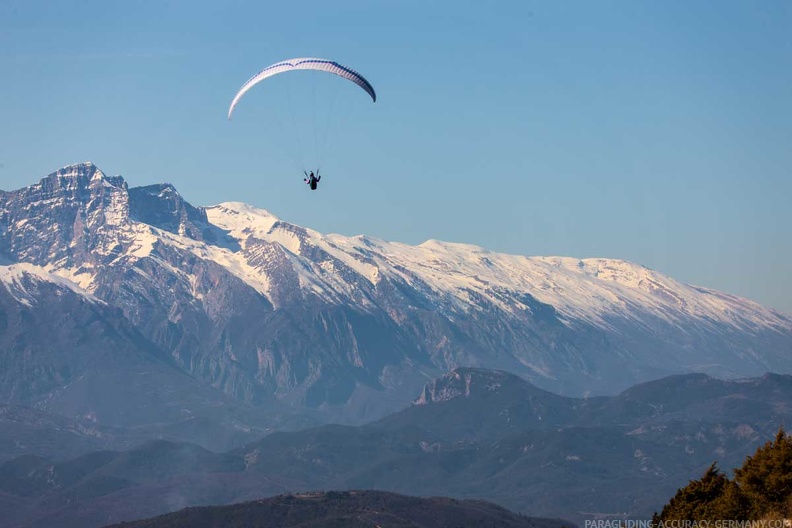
<point x="658" y="132"/>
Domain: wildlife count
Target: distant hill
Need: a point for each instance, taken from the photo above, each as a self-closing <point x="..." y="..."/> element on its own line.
<point x="472" y="433"/>
<point x="504" y="403"/>
<point x="348" y="509"/>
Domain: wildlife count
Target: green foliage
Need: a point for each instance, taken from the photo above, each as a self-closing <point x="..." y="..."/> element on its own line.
<point x="711" y="498"/>
<point x="762" y="487"/>
<point x="766" y="477"/>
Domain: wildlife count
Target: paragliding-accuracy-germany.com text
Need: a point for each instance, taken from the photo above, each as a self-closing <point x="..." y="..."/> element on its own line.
<point x="678" y="523"/>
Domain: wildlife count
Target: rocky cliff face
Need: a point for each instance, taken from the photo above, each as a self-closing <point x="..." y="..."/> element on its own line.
<point x="266" y="310"/>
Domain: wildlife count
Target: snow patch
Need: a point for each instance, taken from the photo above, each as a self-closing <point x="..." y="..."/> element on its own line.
<point x="17" y="278"/>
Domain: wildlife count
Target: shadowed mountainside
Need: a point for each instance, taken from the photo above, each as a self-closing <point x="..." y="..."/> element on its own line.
<point x="349" y="509"/>
<point x="471" y="434"/>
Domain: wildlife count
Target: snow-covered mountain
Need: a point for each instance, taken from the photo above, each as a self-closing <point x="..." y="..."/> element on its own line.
<point x="264" y="309"/>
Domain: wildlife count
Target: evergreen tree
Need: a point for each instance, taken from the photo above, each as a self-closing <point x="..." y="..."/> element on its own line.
<point x="766" y="477"/>
<point x="712" y="497"/>
<point x="762" y="488"/>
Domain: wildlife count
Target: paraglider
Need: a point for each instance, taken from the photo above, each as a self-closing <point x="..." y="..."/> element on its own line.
<point x="307" y="63"/>
<point x="312" y="180"/>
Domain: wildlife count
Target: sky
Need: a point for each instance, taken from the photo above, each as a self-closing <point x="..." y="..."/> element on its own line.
<point x="656" y="132"/>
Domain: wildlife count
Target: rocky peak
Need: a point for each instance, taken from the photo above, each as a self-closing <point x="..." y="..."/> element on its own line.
<point x="57" y="219"/>
<point x="72" y="183"/>
<point x="72" y="180"/>
<point x="160" y="205"/>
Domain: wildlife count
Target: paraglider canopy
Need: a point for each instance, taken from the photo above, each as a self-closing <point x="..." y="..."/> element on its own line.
<point x="308" y="63"/>
<point x="300" y="116"/>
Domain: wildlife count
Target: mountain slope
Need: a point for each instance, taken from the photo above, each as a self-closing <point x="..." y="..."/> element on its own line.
<point x="586" y="464"/>
<point x="269" y="311"/>
<point x="65" y="352"/>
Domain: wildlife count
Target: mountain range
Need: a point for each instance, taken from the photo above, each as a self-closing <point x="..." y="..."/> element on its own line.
<point x="130" y="308"/>
<point x="471" y="434"/>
